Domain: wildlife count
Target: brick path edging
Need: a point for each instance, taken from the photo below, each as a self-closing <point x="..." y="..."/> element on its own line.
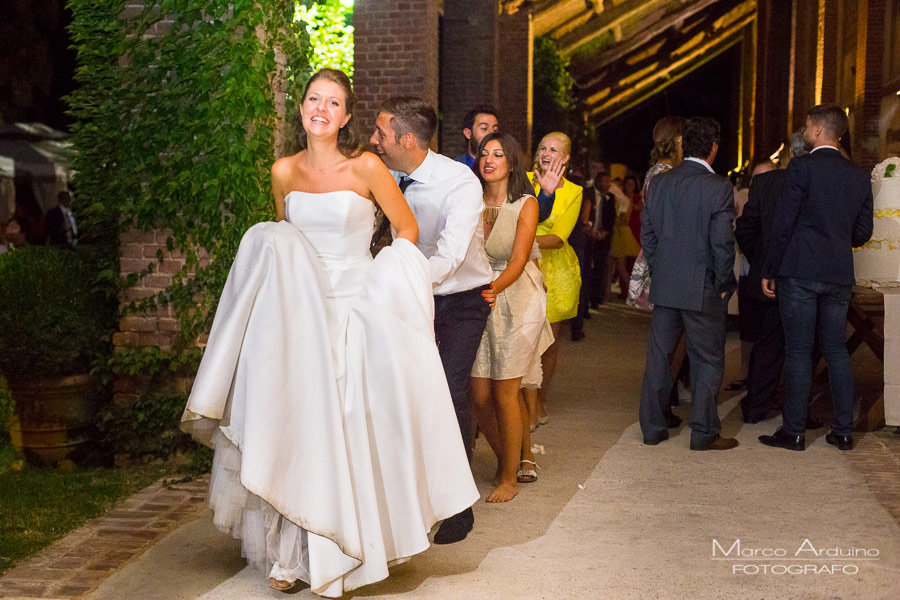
<point x="79" y="562"/>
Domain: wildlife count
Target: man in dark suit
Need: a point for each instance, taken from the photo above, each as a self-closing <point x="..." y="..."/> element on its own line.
<point x="824" y="212"/>
<point x="752" y="231"/>
<point x="59" y="223"/>
<point x="688" y="240"/>
<point x="594" y="232"/>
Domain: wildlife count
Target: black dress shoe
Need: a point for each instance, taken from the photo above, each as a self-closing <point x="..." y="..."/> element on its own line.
<point x="455" y="528"/>
<point x="717" y="443"/>
<point x="577" y="336"/>
<point x="843" y="442"/>
<point x="754" y="419"/>
<point x="587" y="315"/>
<point x="672" y="420"/>
<point x="654" y="441"/>
<point x="814" y="423"/>
<point x="780" y="439"/>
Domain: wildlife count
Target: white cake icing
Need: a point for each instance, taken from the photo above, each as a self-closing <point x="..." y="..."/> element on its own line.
<point x="879" y="258"/>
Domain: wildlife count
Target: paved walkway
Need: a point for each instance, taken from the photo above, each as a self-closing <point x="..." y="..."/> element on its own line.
<point x="608" y="518"/>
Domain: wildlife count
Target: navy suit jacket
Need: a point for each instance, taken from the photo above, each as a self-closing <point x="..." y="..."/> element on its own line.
<point x="687" y="236"/>
<point x="753" y="228"/>
<point x="824" y="212"/>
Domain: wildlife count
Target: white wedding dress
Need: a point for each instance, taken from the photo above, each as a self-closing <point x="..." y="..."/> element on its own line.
<point x="322" y="392"/>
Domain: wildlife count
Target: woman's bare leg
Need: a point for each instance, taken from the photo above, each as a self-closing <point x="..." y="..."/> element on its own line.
<point x="527" y="453"/>
<point x="506" y="403"/>
<point x="486" y="415"/>
<point x="531" y="406"/>
<point x="548" y="365"/>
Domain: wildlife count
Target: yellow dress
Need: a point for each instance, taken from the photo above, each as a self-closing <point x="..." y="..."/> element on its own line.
<point x="560" y="266"/>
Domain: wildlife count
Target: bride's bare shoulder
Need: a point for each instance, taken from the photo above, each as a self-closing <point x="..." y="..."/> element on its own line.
<point x="284" y="167"/>
<point x="368" y="162"/>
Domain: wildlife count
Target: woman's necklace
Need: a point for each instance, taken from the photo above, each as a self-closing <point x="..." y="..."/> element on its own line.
<point x="318" y="170"/>
<point x="490" y="213"/>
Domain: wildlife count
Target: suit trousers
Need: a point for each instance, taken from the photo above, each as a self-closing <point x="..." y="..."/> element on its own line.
<point x="815" y="311"/>
<point x="705" y="330"/>
<point x="459" y="322"/>
<point x="766" y="359"/>
<point x="577" y="322"/>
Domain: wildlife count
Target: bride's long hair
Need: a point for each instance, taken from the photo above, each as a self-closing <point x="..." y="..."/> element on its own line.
<point x="518" y="184"/>
<point x="350" y="141"/>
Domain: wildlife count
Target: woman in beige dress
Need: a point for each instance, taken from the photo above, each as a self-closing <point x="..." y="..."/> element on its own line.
<point x="517" y="331"/>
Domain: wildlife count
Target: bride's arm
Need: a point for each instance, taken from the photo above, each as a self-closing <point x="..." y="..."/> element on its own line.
<point x="388" y="196"/>
<point x="280" y="171"/>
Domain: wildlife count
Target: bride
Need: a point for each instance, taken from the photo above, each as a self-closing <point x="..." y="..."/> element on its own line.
<point x="321" y="389"/>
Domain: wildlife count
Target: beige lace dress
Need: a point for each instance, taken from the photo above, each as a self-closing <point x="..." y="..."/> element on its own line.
<point x="517" y="331"/>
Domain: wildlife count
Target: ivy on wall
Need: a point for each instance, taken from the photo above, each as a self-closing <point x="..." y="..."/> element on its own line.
<point x="175" y="131"/>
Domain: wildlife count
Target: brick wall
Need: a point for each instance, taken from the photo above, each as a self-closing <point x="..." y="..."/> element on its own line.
<point x="395" y="53"/>
<point x="469" y="65"/>
<point x="516" y="77"/>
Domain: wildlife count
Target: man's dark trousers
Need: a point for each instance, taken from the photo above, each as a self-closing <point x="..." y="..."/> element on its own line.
<point x="459" y="322"/>
<point x="814" y="311"/>
<point x="705" y="331"/>
<point x="766" y="360"/>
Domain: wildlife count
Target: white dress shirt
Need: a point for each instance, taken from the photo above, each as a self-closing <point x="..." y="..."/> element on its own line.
<point x="702" y="162"/>
<point x="446" y="199"/>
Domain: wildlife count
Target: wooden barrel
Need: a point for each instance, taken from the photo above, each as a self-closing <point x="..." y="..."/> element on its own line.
<point x="54" y="417"/>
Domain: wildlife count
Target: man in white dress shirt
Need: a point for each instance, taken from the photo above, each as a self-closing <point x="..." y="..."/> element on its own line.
<point x="446" y="199"/>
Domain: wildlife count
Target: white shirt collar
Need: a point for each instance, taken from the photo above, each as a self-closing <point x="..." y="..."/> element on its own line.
<point x="425" y="170"/>
<point x="702" y="162"/>
<point x="823" y="146"/>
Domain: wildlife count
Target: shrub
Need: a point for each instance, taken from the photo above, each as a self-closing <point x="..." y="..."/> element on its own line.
<point x="51" y="323"/>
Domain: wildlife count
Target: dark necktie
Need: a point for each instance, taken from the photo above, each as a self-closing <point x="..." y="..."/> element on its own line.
<point x="405" y="182"/>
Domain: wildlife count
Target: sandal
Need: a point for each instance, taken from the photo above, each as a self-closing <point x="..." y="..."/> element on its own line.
<point x="527" y="475"/>
<point x="281" y="585"/>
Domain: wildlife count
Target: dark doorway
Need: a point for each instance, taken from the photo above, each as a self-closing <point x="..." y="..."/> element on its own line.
<point x="37" y="66"/>
<point x="711" y="90"/>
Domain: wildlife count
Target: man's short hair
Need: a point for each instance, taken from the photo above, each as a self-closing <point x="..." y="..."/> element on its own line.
<point x="832" y="117"/>
<point x="481" y="109"/>
<point x="798" y="146"/>
<point x="411" y="114"/>
<point x="698" y="137"/>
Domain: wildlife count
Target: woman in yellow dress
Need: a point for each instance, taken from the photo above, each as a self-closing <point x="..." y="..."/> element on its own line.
<point x="559" y="263"/>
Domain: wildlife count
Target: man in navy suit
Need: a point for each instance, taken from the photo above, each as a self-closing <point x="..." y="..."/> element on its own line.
<point x="688" y="240"/>
<point x="825" y="211"/>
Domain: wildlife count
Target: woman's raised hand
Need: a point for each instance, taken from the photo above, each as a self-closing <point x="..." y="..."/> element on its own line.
<point x="550" y="179"/>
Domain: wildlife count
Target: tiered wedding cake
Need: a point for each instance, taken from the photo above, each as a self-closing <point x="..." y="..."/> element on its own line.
<point x="879" y="258"/>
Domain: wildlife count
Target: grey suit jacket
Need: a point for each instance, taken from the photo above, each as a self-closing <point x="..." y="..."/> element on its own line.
<point x="688" y="237"/>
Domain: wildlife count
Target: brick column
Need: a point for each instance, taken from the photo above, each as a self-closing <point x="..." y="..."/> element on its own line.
<point x="516" y="81"/>
<point x="869" y="80"/>
<point x="469" y="65"/>
<point x="773" y="58"/>
<point x="395" y="53"/>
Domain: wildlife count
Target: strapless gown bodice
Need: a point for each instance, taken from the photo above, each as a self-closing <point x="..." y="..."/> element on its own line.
<point x="338" y="224"/>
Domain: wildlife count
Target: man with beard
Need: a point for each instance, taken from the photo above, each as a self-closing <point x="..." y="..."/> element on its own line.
<point x="824" y="212"/>
<point x="477" y="123"/>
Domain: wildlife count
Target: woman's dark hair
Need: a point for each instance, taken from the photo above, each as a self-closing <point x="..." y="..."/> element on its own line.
<point x="350" y="141"/>
<point x="518" y="185"/>
<point x="665" y="134"/>
<point x="633" y="179"/>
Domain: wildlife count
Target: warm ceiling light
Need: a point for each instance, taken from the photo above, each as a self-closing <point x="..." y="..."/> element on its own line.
<point x="774" y="156"/>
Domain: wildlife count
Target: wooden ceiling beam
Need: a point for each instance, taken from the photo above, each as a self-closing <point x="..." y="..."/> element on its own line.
<point x="622" y="50"/>
<point x="669" y="74"/>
